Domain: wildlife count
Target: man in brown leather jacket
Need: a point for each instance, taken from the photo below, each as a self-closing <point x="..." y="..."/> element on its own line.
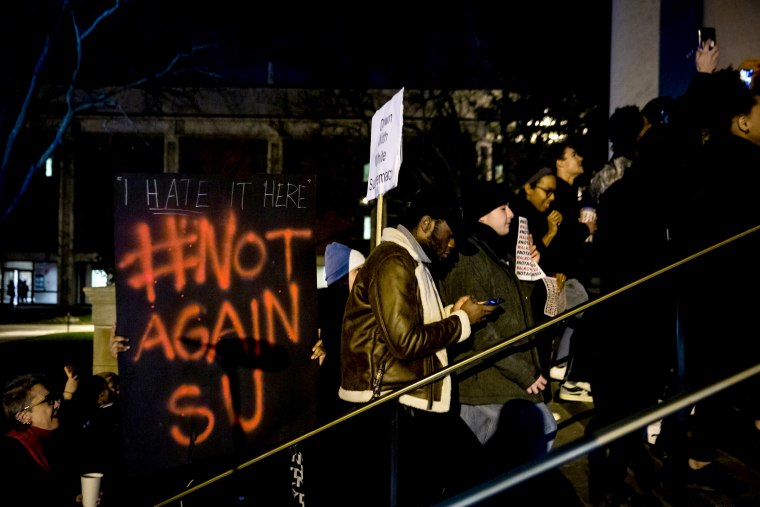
<point x="395" y="333"/>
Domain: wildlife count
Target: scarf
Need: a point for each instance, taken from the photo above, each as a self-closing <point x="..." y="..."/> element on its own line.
<point x="34" y="440"/>
<point x="497" y="247"/>
<point x="432" y="307"/>
<point x="432" y="310"/>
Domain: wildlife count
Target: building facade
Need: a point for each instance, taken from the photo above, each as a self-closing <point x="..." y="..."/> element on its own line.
<point x="224" y="131"/>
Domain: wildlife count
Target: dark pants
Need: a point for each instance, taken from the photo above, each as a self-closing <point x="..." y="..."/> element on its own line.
<point x="397" y="455"/>
<point x="632" y="346"/>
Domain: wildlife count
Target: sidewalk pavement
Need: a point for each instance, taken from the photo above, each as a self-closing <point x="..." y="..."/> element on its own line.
<point x="32" y="320"/>
<point x="10" y="332"/>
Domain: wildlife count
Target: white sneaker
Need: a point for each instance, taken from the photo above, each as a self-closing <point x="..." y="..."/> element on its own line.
<point x="572" y="391"/>
<point x="558" y="372"/>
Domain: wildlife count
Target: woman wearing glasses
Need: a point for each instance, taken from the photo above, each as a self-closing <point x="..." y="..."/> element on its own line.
<point x="36" y="467"/>
<point x="533" y="202"/>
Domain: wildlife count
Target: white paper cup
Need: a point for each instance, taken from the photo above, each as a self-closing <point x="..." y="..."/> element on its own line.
<point x="588" y="214"/>
<point x="91" y="489"/>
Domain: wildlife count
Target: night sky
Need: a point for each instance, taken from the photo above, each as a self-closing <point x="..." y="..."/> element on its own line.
<point x="549" y="49"/>
<point x="558" y="46"/>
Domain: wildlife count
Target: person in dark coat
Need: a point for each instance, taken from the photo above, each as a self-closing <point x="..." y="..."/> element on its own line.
<point x="717" y="307"/>
<point x="572" y="245"/>
<point x="11" y="291"/>
<point x="101" y="435"/>
<point x="574" y="256"/>
<point x="501" y="399"/>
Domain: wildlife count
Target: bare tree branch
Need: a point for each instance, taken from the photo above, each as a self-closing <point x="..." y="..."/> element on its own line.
<point x="74" y="104"/>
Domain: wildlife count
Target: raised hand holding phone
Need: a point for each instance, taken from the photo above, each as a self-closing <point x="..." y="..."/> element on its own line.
<point x="706" y="57"/>
<point x="746" y="76"/>
<point x="706" y="35"/>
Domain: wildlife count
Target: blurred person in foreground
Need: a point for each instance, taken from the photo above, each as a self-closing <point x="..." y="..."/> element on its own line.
<point x="718" y="309"/>
<point x="342" y="264"/>
<point x="395" y="333"/>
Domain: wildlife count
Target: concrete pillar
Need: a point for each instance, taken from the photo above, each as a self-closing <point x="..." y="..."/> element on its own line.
<point x="103" y="300"/>
<point x="171" y="152"/>
<point x="66" y="278"/>
<point x="484" y="150"/>
<point x="634" y="52"/>
<point x="653" y="43"/>
<point x="274" y="156"/>
<point x="652" y="49"/>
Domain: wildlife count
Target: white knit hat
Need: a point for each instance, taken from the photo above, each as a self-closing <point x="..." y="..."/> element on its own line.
<point x="355" y="259"/>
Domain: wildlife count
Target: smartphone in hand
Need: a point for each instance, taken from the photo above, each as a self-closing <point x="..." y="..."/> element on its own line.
<point x="705" y="33"/>
<point x="746" y="76"/>
<point x="493" y="301"/>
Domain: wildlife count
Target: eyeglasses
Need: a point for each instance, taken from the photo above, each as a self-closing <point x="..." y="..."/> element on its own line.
<point x="548" y="191"/>
<point x="49" y="399"/>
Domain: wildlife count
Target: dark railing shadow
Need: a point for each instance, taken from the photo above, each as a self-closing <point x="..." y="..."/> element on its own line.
<point x="677" y="402"/>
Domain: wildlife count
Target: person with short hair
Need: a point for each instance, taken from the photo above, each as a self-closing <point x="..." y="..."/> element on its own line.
<point x="39" y="462"/>
<point x="395" y="332"/>
<point x="112" y="382"/>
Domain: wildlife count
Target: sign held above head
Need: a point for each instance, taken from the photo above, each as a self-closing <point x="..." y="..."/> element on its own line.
<point x="385" y="146"/>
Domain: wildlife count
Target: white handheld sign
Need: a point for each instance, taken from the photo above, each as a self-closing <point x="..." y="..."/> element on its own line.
<point x="385" y="146"/>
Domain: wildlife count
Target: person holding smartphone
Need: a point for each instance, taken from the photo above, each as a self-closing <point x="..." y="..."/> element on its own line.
<point x="716" y="342"/>
<point x="706" y="57"/>
<point x="748" y="71"/>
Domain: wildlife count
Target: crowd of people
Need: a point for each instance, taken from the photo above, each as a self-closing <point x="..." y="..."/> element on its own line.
<point x="647" y="208"/>
<point x="691" y="144"/>
<point x="456" y="277"/>
<point x="16" y="295"/>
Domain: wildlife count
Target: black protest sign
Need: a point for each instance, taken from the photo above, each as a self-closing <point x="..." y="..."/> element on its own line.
<point x="216" y="291"/>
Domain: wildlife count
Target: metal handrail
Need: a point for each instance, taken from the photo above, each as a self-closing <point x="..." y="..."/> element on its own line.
<point x="511" y="478"/>
<point x="585" y="445"/>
